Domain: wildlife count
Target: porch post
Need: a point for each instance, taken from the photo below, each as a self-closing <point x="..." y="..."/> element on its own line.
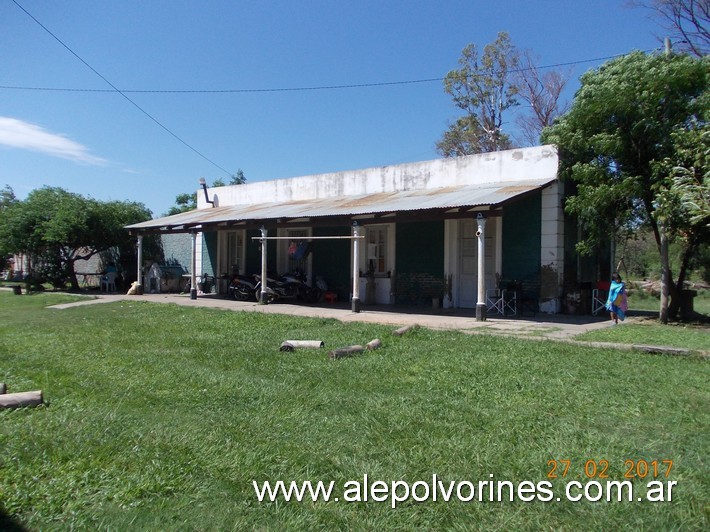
<point x="262" y="296"/>
<point x="193" y="265"/>
<point x="356" y="269"/>
<point x="481" y="303"/>
<point x="139" y="270"/>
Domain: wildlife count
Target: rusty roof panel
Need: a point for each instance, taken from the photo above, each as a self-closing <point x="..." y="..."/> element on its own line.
<point x="411" y="200"/>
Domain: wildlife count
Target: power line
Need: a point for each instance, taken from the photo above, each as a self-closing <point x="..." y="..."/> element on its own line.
<point x="119" y="91"/>
<point x="286" y="89"/>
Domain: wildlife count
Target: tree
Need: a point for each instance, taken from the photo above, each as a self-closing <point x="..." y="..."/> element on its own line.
<point x="56" y="228"/>
<point x="687" y="21"/>
<point x="188" y="202"/>
<point x="238" y="178"/>
<point x="483" y="88"/>
<point x="488" y="87"/>
<point x="7" y="199"/>
<point x="542" y="90"/>
<point x="618" y="142"/>
<point x="183" y="203"/>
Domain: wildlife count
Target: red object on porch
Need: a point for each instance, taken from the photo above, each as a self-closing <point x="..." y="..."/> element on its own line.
<point x="330" y="297"/>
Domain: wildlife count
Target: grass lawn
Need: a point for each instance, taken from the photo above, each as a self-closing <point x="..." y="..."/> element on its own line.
<point x="160" y="417"/>
<point x="651" y="332"/>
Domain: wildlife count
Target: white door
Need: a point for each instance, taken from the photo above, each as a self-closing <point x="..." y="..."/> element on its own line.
<point x="468" y="264"/>
<point x="468" y="260"/>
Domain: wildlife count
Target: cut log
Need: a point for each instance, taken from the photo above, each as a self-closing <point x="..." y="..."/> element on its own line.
<point x="403" y="330"/>
<point x="291" y="345"/>
<point x="344" y="352"/>
<point x="662" y="350"/>
<point x="21" y="399"/>
<point x="3" y="388"/>
<point x="374" y="344"/>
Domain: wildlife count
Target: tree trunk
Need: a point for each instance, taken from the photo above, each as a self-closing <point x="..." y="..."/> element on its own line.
<point x="677" y="295"/>
<point x="665" y="277"/>
<point x="72" y="276"/>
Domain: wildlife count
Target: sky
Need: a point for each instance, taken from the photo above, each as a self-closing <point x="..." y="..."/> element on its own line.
<point x="135" y="100"/>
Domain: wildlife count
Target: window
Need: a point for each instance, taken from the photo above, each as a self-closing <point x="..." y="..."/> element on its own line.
<point x="377" y="251"/>
<point x="233" y="253"/>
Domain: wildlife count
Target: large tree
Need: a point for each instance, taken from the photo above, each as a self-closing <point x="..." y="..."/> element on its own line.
<point x="482" y="87"/>
<point x="488" y="86"/>
<point x="56" y="228"/>
<point x="621" y="142"/>
<point x="542" y="90"/>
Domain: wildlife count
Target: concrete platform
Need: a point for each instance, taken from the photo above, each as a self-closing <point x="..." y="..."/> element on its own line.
<point x="541" y="325"/>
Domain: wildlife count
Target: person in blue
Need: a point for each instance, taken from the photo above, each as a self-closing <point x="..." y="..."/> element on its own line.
<point x="616" y="303"/>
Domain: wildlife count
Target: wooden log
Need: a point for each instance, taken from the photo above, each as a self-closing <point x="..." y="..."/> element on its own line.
<point x="662" y="350"/>
<point x="348" y="351"/>
<point x="21" y="399"/>
<point x="374" y="344"/>
<point x="3" y="388"/>
<point x="291" y="345"/>
<point x="405" y="329"/>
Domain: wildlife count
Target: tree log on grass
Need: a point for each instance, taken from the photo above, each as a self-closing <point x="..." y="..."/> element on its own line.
<point x="21" y="399"/>
<point x="291" y="345"/>
<point x="404" y="330"/>
<point x="374" y="344"/>
<point x="344" y="352"/>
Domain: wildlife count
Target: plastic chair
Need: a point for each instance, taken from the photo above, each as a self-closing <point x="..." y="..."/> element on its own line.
<point x="599" y="296"/>
<point x="510" y="302"/>
<point x="495" y="301"/>
<point x="109" y="281"/>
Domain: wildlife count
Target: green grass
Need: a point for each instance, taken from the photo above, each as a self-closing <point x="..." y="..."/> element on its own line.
<point x="640" y="300"/>
<point x="160" y="417"/>
<point x="651" y="332"/>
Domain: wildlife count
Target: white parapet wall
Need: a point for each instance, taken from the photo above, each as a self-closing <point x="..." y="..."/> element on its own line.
<point x="512" y="165"/>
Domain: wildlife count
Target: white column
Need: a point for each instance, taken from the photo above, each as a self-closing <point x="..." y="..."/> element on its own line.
<point x="552" y="249"/>
<point x="139" y="266"/>
<point x="262" y="296"/>
<point x="356" y="269"/>
<point x="481" y="303"/>
<point x="193" y="266"/>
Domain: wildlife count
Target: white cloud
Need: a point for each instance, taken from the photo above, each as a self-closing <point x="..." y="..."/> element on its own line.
<point x="25" y="136"/>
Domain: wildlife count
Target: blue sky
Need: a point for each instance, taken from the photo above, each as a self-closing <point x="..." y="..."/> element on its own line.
<point x="100" y="145"/>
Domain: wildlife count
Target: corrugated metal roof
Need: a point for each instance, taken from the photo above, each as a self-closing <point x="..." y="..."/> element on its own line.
<point x="408" y="200"/>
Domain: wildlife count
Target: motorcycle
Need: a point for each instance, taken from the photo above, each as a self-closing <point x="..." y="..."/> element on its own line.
<point x="244" y="288"/>
<point x="289" y="286"/>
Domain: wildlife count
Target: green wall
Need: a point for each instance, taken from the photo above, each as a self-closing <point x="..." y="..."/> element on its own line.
<point x="331" y="259"/>
<point x="209" y="250"/>
<point x="522" y="224"/>
<point x="420" y="248"/>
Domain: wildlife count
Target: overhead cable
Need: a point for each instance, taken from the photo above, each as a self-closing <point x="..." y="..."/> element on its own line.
<point x="119" y="91"/>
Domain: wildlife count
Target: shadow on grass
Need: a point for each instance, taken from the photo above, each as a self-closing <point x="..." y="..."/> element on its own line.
<point x="9" y="524"/>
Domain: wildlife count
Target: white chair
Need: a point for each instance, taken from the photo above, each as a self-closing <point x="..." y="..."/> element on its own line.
<point x="109" y="281"/>
<point x="494" y="301"/>
<point x="510" y="302"/>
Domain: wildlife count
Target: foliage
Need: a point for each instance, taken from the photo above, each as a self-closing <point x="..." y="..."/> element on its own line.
<point x="56" y="228"/>
<point x="482" y="88"/>
<point x="165" y="417"/>
<point x="486" y="87"/>
<point x="183" y="203"/>
<point x="188" y="202"/>
<point x="618" y="140"/>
